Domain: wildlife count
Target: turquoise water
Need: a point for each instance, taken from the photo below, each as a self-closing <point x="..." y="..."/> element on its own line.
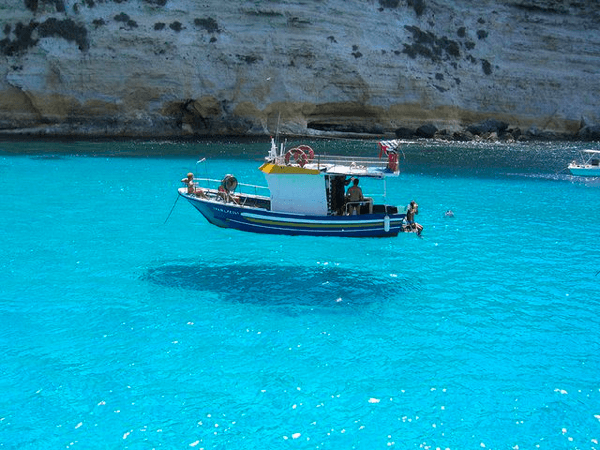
<point x="119" y="330"/>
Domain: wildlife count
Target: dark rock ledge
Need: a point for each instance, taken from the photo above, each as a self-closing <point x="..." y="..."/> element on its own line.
<point x="497" y="131"/>
<point x="489" y="130"/>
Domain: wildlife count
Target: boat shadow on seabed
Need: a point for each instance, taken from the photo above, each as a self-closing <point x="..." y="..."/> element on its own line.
<point x="322" y="286"/>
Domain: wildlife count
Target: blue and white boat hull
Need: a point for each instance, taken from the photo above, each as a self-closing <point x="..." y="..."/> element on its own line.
<point x="258" y="220"/>
<point x="584" y="170"/>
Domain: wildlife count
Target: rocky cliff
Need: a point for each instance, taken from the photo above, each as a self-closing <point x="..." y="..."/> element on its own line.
<point x="239" y="67"/>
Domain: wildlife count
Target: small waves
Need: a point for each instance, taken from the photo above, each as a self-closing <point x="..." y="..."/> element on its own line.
<point x="120" y="331"/>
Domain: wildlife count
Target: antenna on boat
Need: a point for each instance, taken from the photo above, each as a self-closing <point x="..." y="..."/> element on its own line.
<point x="277" y="136"/>
<point x="200" y="161"/>
<point x="273" y="151"/>
<point x="203" y="160"/>
<point x="283" y="147"/>
<point x="277" y="129"/>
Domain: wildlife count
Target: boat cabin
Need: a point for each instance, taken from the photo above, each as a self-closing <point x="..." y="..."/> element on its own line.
<point x="302" y="183"/>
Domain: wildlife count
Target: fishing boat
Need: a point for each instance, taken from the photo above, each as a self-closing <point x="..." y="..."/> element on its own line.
<point x="306" y="195"/>
<point x="589" y="166"/>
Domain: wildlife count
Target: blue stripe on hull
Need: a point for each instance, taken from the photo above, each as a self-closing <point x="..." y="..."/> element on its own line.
<point x="296" y="231"/>
<point x="261" y="221"/>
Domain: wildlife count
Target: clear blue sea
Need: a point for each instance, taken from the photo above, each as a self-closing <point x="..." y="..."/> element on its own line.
<point x="121" y="331"/>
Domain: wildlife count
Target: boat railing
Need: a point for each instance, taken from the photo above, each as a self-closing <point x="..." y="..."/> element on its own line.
<point x="351" y="206"/>
<point x="241" y="188"/>
<point x="345" y="160"/>
<point x="328" y="160"/>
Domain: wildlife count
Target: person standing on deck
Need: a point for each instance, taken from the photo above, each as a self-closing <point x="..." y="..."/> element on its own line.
<point x="355" y="196"/>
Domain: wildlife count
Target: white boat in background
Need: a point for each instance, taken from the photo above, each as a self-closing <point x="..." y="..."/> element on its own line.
<point x="589" y="166"/>
<point x="305" y="196"/>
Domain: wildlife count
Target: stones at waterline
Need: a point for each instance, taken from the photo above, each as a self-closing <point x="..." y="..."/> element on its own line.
<point x="427" y="130"/>
<point x="488" y="126"/>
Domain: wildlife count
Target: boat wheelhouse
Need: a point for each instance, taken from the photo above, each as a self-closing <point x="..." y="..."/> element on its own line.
<point x="305" y="195"/>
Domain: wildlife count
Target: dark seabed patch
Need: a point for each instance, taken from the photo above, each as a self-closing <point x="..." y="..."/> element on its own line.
<point x="320" y="286"/>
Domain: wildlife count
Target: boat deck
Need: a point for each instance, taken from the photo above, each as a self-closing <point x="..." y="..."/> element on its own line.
<point x="239" y="198"/>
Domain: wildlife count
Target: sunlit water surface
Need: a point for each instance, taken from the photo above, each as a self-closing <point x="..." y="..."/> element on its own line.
<point x="119" y="330"/>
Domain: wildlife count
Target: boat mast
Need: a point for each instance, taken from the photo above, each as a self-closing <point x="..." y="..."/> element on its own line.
<point x="282" y="148"/>
<point x="277" y="129"/>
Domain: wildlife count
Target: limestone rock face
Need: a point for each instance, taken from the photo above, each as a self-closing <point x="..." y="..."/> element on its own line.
<point x="214" y="67"/>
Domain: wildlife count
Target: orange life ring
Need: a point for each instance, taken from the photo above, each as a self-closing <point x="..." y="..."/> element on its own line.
<point x="288" y="156"/>
<point x="310" y="153"/>
<point x="299" y="156"/>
